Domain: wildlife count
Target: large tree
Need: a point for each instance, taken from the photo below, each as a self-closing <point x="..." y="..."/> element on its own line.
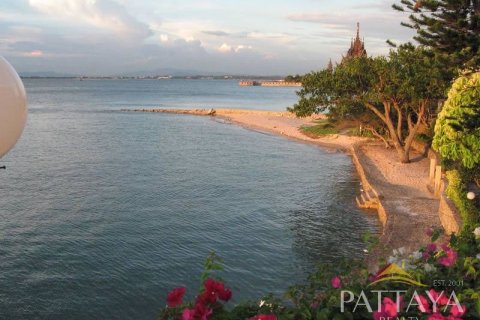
<point x="450" y="27"/>
<point x="398" y="90"/>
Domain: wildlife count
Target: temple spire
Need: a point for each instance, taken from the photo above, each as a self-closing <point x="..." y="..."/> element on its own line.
<point x="330" y="65"/>
<point x="357" y="46"/>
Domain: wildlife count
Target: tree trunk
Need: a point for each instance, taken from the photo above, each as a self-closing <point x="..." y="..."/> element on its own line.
<point x="405" y="156"/>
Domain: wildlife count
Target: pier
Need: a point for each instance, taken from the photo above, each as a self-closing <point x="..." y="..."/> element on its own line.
<point x="269" y="83"/>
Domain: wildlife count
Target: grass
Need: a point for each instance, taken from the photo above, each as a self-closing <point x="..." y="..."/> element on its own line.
<point x="322" y="128"/>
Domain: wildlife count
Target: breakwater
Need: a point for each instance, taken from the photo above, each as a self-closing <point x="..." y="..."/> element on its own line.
<point x="269" y="83"/>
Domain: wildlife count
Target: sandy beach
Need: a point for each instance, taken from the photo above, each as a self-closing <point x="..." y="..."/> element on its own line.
<point x="402" y="188"/>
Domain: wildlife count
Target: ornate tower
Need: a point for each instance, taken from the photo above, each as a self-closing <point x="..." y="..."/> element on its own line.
<point x="357" y="47"/>
<point x="330" y="65"/>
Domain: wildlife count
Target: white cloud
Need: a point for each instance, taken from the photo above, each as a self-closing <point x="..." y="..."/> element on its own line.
<point x="225" y="48"/>
<point x="103" y="14"/>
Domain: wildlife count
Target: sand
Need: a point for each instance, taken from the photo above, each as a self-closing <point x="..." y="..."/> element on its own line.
<point x="410" y="207"/>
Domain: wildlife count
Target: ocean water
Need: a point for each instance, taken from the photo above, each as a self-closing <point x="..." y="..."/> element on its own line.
<point x="102" y="212"/>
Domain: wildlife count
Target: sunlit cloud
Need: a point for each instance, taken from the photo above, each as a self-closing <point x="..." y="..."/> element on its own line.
<point x="36" y="53"/>
<point x="228" y="48"/>
<point x="103" y="14"/>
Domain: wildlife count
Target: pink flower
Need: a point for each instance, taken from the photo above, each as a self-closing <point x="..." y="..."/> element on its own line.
<point x="264" y="317"/>
<point x="429" y="231"/>
<point x="188" y="314"/>
<point x="215" y="290"/>
<point x="436" y="316"/>
<point x="387" y="309"/>
<point x="449" y="258"/>
<point x="440" y="297"/>
<point x="336" y="282"/>
<point x="199" y="312"/>
<point x="174" y="297"/>
<point x="431" y="247"/>
<point x="423" y="304"/>
<point x="456" y="312"/>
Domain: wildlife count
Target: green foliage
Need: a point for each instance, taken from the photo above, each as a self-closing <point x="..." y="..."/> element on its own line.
<point x="392" y="94"/>
<point x="457" y="133"/>
<point x="295" y="78"/>
<point x="450" y="27"/>
<point x="457" y="192"/>
<point x="212" y="265"/>
<point x="323" y="128"/>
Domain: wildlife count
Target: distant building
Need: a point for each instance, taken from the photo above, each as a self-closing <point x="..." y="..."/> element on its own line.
<point x="357" y="47"/>
<point x="330" y="65"/>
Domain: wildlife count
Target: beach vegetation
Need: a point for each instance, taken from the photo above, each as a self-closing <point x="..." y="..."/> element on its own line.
<point x="322" y="128"/>
<point x="457" y="192"/>
<point x="293" y="78"/>
<point x="457" y="130"/>
<point x="396" y="94"/>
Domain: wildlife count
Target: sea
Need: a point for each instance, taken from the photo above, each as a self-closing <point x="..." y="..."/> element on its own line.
<point x="103" y="211"/>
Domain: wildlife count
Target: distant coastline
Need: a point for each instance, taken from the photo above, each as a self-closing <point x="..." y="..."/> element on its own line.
<point x="159" y="77"/>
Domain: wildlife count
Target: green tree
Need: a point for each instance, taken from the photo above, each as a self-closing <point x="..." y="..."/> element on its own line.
<point x="457" y="130"/>
<point x="399" y="91"/>
<point x="450" y="27"/>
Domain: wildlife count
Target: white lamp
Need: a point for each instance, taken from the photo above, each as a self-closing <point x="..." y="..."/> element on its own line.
<point x="13" y="107"/>
<point x="471" y="195"/>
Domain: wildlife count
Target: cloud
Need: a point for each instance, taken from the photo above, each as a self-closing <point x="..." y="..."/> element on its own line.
<point x="102" y="14"/>
<point x="225" y="48"/>
<point x="217" y="33"/>
<point x="374" y="25"/>
<point x="36" y="53"/>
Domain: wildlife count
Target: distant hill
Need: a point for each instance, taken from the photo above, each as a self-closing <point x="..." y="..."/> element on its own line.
<point x="162" y="72"/>
<point x="46" y="74"/>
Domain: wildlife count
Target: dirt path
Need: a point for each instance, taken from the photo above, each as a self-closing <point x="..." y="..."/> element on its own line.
<point x="410" y="207"/>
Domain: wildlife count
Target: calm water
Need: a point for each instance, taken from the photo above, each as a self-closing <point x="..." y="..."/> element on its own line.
<point x="102" y="212"/>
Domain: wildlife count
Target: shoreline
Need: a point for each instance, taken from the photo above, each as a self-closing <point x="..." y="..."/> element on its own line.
<point x="397" y="191"/>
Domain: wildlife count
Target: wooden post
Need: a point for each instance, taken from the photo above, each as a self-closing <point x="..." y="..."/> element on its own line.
<point x="433" y="163"/>
<point x="438" y="180"/>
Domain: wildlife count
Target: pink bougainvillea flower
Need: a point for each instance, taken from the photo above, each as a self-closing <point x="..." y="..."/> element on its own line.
<point x="201" y="312"/>
<point x="264" y="317"/>
<point x="174" y="297"/>
<point x="215" y="290"/>
<point x="429" y="231"/>
<point x="458" y="311"/>
<point x="188" y="314"/>
<point x="449" y="258"/>
<point x="440" y="297"/>
<point x="225" y="295"/>
<point x="431" y="247"/>
<point x="387" y="309"/>
<point x="423" y="304"/>
<point x="336" y="282"/>
<point x="436" y="316"/>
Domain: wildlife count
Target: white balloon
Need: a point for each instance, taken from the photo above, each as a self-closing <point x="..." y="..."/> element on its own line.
<point x="13" y="107"/>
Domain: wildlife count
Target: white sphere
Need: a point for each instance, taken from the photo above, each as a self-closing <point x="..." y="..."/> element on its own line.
<point x="471" y="195"/>
<point x="13" y="107"/>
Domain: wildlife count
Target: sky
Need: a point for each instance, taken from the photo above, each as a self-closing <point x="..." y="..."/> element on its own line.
<point x="261" y="37"/>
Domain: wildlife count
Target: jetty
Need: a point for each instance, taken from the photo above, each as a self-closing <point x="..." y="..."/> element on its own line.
<point x="269" y="83"/>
